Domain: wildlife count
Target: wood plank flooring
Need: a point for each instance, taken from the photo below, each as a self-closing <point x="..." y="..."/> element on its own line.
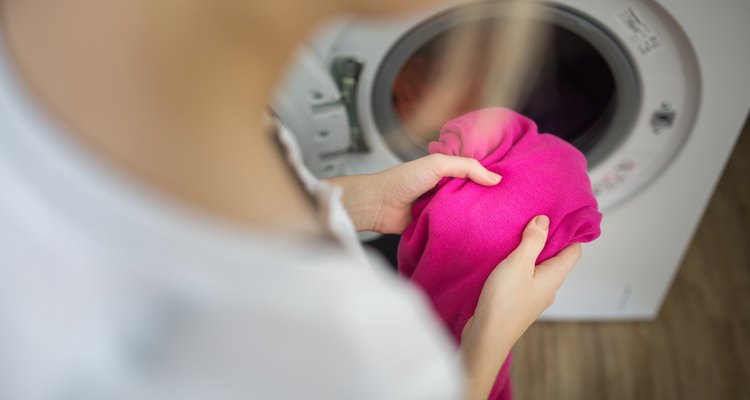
<point x="698" y="347"/>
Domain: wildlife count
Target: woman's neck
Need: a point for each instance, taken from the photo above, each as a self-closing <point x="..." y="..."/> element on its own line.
<point x="172" y="92"/>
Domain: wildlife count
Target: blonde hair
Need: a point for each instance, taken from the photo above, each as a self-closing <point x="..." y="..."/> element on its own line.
<point x="490" y="57"/>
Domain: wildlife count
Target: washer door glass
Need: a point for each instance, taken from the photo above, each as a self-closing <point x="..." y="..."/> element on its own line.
<point x="582" y="87"/>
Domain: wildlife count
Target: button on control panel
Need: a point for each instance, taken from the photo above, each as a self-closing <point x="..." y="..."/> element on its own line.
<point x="614" y="178"/>
<point x="663" y="117"/>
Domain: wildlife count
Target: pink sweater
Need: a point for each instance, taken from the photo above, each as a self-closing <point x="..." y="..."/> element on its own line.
<point x="462" y="230"/>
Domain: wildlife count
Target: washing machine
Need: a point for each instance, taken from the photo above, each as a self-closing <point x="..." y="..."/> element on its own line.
<point x="654" y="93"/>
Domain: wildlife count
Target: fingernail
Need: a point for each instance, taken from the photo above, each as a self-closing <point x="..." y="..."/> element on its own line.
<point x="542" y="221"/>
<point x="494" y="177"/>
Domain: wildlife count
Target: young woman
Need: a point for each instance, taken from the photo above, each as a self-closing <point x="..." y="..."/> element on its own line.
<point x="155" y="241"/>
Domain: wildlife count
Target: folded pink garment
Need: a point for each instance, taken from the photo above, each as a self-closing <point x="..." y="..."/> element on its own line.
<point x="462" y="230"/>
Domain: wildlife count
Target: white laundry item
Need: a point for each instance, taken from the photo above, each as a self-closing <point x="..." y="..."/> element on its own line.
<point x="109" y="290"/>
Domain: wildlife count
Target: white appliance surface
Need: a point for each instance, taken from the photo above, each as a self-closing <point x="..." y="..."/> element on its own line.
<point x="689" y="56"/>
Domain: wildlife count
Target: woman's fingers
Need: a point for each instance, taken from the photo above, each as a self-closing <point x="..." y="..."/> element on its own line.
<point x="532" y="242"/>
<point x="462" y="167"/>
<point x="553" y="272"/>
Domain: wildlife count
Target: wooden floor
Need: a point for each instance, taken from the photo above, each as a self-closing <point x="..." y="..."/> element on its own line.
<point x="698" y="347"/>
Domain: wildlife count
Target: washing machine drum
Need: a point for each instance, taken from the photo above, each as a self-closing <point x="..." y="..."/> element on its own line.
<point x="572" y="95"/>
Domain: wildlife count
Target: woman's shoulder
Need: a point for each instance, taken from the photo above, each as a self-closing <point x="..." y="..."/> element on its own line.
<point x="312" y="323"/>
<point x="364" y="332"/>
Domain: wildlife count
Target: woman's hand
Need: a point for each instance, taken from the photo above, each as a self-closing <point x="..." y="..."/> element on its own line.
<point x="513" y="297"/>
<point x="382" y="202"/>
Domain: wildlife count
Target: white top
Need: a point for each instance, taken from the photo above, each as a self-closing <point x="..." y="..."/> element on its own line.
<point x="109" y="291"/>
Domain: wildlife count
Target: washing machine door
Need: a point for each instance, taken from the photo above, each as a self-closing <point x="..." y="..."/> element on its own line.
<point x="622" y="84"/>
<point x="625" y="74"/>
<point x="313" y="104"/>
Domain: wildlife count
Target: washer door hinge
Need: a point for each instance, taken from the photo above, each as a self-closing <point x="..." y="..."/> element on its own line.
<point x="346" y="71"/>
